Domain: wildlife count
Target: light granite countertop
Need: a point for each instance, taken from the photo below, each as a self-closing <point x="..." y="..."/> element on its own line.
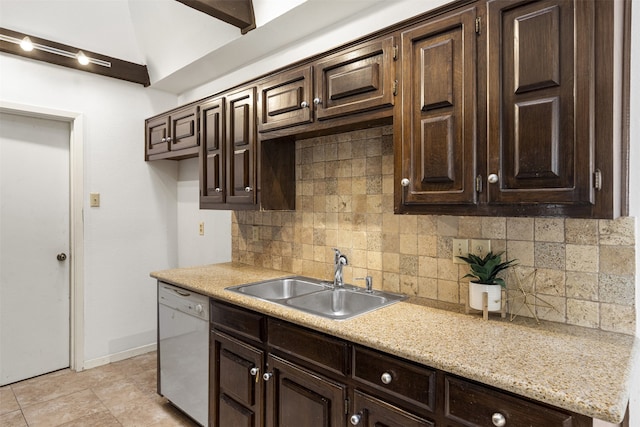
<point x="579" y="369"/>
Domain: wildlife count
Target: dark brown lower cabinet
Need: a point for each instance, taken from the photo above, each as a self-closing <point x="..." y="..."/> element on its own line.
<point x="237" y="395"/>
<point x="268" y="372"/>
<point x="369" y="411"/>
<point x="297" y="397"/>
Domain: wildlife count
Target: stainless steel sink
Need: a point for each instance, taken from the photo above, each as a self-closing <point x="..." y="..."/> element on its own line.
<point x="317" y="297"/>
<point x="281" y="289"/>
<point x="343" y="303"/>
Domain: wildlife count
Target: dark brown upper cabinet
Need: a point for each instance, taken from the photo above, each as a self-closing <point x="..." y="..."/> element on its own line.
<point x="348" y="88"/>
<point x="172" y="135"/>
<point x="499" y="112"/>
<point x="355" y="80"/>
<point x="284" y="100"/>
<point x="436" y="133"/>
<point x="241" y="144"/>
<point x="539" y="127"/>
<point x="213" y="152"/>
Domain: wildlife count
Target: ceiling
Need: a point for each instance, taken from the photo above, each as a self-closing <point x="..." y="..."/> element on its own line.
<point x="182" y="47"/>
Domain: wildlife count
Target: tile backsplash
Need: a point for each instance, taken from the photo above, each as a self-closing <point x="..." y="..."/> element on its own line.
<point x="584" y="269"/>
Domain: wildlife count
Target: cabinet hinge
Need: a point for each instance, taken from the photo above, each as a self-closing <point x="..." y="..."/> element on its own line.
<point x="478" y="25"/>
<point x="346" y="406"/>
<point x="395" y="87"/>
<point x="479" y="183"/>
<point x="597" y="179"/>
<point x="395" y="52"/>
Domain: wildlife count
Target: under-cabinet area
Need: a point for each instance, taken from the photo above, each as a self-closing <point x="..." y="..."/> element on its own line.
<point x="493" y="106"/>
<point x="403" y="365"/>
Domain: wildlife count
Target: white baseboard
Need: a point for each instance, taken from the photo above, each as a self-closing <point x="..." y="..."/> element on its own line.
<point x="104" y="360"/>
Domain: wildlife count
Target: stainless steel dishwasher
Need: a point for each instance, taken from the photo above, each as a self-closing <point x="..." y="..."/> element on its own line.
<point x="183" y="344"/>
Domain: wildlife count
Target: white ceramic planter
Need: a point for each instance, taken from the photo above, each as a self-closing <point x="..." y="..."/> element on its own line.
<point x="475" y="296"/>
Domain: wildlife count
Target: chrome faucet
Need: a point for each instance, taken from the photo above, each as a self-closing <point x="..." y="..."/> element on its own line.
<point x="339" y="261"/>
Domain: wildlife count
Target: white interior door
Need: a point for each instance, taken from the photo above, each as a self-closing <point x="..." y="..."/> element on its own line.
<point x="34" y="230"/>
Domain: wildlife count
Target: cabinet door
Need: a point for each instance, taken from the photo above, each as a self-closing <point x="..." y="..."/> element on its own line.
<point x="371" y="412"/>
<point x="285" y="99"/>
<point x="358" y="79"/>
<point x="183" y="128"/>
<point x="212" y="152"/>
<point x="157" y="134"/>
<point x="438" y="138"/>
<point x="237" y="395"/>
<point x="540" y="142"/>
<point x="299" y="398"/>
<point x="241" y="141"/>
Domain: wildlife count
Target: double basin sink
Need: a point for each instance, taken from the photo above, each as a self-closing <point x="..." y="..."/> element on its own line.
<point x="319" y="297"/>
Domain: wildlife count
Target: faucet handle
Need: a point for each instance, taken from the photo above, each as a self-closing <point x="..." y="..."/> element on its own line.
<point x="340" y="258"/>
<point x="368" y="283"/>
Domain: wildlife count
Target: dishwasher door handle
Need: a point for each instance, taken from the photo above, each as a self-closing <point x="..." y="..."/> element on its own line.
<point x="181" y="293"/>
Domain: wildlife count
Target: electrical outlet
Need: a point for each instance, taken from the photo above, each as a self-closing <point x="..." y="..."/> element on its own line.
<point x="460" y="248"/>
<point x="480" y="247"/>
<point x="94" y="200"/>
<point x="201" y="229"/>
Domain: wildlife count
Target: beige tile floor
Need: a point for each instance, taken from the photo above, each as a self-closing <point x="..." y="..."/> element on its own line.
<point x="119" y="394"/>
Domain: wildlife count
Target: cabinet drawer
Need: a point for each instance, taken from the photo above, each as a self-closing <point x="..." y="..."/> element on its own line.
<point x="472" y="404"/>
<point x="372" y="412"/>
<point x="316" y="348"/>
<point x="238" y="321"/>
<point x="408" y="382"/>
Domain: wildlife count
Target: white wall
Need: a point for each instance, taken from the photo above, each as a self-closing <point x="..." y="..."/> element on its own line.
<point x="193" y="249"/>
<point x="134" y="230"/>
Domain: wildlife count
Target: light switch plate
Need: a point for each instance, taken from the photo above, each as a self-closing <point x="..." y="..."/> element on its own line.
<point x="460" y="248"/>
<point x="94" y="200"/>
<point x="480" y="247"/>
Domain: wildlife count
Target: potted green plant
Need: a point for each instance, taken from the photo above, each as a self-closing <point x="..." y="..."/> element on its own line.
<point x="484" y="278"/>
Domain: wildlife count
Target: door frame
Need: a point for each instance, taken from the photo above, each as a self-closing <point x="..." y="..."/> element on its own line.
<point x="76" y="220"/>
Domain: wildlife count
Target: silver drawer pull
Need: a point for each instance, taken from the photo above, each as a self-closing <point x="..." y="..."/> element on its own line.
<point x="386" y="378"/>
<point x="498" y="420"/>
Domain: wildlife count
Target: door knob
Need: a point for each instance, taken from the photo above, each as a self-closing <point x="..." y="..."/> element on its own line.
<point x="61" y="256"/>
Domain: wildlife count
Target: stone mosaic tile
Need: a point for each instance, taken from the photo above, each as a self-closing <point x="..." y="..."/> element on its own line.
<point x="520" y="229"/>
<point x="549" y="230"/>
<point x="345" y="199"/>
<point x="617" y="232"/>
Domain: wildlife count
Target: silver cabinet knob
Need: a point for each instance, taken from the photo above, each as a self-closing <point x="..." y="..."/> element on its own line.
<point x="317" y="101"/>
<point x="304" y="104"/>
<point x="169" y="139"/>
<point x="386" y="378"/>
<point x="254" y="371"/>
<point x="405" y="182"/>
<point x="498" y="420"/>
<point x="492" y="178"/>
<point x="247" y="189"/>
<point x="163" y="140"/>
<point x="267" y="376"/>
<point x="355" y="419"/>
<point x="218" y="190"/>
<point x="61" y="256"/>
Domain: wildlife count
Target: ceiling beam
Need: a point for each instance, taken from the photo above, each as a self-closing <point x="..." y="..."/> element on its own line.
<point x="118" y="69"/>
<point x="238" y="13"/>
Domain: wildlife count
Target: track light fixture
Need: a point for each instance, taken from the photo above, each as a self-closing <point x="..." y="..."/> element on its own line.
<point x="52" y="52"/>
<point x="28" y="46"/>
